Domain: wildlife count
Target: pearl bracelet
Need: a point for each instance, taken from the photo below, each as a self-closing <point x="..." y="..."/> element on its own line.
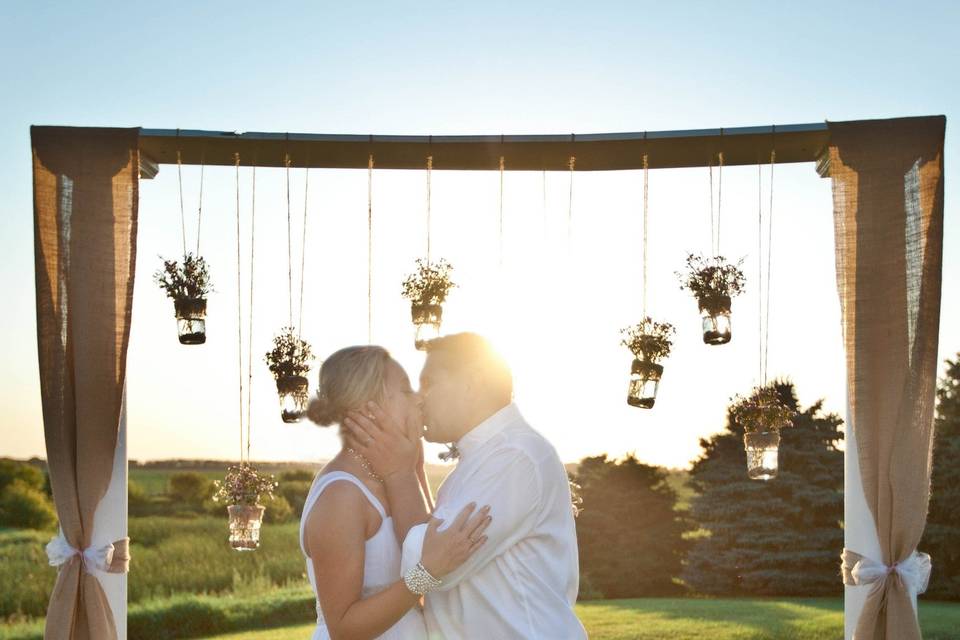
<point x="419" y="580"/>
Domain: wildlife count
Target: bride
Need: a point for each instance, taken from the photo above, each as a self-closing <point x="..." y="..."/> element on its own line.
<point x="347" y="535"/>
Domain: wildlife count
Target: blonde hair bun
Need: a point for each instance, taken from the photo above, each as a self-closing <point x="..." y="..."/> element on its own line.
<point x="348" y="378"/>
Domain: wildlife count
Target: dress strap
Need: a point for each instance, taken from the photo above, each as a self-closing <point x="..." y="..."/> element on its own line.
<point x="320" y="483"/>
<point x="328" y="478"/>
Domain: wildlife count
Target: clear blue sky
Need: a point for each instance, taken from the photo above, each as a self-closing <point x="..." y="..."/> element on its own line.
<point x="443" y="69"/>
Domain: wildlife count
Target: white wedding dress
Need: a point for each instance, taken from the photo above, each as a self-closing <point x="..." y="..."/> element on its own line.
<point x="381" y="566"/>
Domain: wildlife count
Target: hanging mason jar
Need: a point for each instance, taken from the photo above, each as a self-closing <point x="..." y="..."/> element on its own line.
<point x="713" y="282"/>
<point x="762" y="414"/>
<point x="241" y="490"/>
<point x="644" y="381"/>
<point x="763" y="453"/>
<point x="426" y="289"/>
<point x="426" y="321"/>
<point x="649" y="342"/>
<point x="245" y="522"/>
<point x="191" y="320"/>
<point x="715" y="318"/>
<point x="289" y="361"/>
<point x="187" y="283"/>
<point x="294" y="396"/>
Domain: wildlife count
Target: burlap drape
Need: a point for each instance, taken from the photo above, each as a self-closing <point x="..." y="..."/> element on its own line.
<point x="887" y="178"/>
<point x="85" y="225"/>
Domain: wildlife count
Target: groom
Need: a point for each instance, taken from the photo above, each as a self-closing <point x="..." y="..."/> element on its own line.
<point x="522" y="582"/>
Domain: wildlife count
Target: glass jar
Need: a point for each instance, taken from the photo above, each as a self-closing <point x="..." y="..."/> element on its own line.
<point x="294" y="396"/>
<point x="191" y="320"/>
<point x="715" y="318"/>
<point x="245" y="521"/>
<point x="644" y="381"/>
<point x="763" y="449"/>
<point x="426" y="321"/>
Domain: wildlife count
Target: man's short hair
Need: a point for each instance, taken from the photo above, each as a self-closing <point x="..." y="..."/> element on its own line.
<point x="463" y="352"/>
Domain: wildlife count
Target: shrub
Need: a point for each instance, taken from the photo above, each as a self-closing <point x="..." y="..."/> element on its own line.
<point x="628" y="506"/>
<point x="297" y="475"/>
<point x="295" y="492"/>
<point x="24" y="506"/>
<point x="13" y="470"/>
<point x="278" y="510"/>
<point x="189" y="488"/>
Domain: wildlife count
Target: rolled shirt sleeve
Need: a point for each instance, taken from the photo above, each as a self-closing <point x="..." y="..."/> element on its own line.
<point x="510" y="483"/>
<point x="412" y="548"/>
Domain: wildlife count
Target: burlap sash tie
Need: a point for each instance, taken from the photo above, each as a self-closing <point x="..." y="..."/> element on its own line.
<point x="110" y="558"/>
<point x="860" y="570"/>
<point x="890" y="587"/>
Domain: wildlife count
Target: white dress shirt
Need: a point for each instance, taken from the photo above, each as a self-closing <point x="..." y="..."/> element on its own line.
<point x="522" y="583"/>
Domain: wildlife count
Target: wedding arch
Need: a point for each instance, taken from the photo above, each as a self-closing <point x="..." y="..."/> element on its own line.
<point x="888" y="185"/>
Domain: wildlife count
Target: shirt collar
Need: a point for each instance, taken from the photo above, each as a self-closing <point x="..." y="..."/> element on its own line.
<point x="490" y="427"/>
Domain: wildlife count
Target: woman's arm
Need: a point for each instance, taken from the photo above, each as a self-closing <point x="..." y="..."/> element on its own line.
<point x="424" y="483"/>
<point x="407" y="502"/>
<point x="335" y="536"/>
<point x="335" y="539"/>
<point x="409" y="495"/>
<point x="395" y="455"/>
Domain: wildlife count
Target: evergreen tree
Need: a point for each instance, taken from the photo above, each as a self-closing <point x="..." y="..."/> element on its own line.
<point x="629" y="534"/>
<point x="777" y="537"/>
<point x="941" y="539"/>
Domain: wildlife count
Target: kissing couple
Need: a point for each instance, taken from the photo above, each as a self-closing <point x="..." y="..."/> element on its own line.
<point x="494" y="558"/>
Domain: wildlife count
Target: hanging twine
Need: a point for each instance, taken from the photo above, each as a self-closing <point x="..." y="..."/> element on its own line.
<point x="763" y="325"/>
<point x="713" y="231"/>
<point x="719" y="202"/>
<point x="766" y="338"/>
<point x="183" y="220"/>
<point x="253" y="219"/>
<point x="200" y="204"/>
<point x="289" y="245"/>
<point x="303" y="246"/>
<point x="760" y="272"/>
<point x="236" y="160"/>
<point x="544" y="205"/>
<point x="429" y="198"/>
<point x="646" y="184"/>
<point x="500" y="233"/>
<point x="572" y="164"/>
<point x="370" y="249"/>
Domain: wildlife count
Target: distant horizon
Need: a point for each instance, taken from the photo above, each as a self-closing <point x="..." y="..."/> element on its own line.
<point x="226" y="462"/>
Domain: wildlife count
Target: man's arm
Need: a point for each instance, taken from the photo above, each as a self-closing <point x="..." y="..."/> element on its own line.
<point x="510" y="483"/>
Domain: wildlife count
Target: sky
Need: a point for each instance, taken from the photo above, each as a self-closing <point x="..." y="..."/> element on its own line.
<point x="435" y="68"/>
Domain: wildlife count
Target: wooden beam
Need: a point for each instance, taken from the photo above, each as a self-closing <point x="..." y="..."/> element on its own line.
<point x="593" y="152"/>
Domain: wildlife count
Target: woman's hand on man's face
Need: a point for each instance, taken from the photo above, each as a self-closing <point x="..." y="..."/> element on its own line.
<point x="376" y="436"/>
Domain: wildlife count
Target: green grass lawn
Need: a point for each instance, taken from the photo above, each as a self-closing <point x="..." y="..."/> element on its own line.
<point x="726" y="619"/>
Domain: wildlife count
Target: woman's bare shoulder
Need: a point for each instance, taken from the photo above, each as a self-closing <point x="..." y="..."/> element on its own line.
<point x="338" y="511"/>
